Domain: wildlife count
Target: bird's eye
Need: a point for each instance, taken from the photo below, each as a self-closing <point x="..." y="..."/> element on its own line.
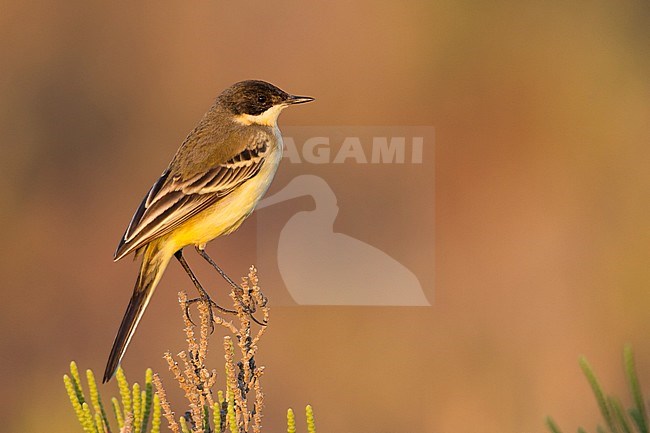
<point x="261" y="99"/>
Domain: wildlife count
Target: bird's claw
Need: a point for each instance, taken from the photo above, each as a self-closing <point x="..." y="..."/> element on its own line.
<point x="264" y="322"/>
<point x="251" y="310"/>
<point x="211" y="305"/>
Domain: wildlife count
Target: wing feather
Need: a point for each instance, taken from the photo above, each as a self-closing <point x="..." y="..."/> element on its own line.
<point x="172" y="200"/>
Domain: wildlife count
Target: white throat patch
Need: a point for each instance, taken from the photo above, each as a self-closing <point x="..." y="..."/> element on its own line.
<point x="267" y="118"/>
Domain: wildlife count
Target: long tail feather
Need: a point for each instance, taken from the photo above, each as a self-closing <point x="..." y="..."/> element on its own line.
<point x="153" y="265"/>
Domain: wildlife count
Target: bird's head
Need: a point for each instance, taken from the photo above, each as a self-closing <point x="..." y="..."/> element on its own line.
<point x="257" y="102"/>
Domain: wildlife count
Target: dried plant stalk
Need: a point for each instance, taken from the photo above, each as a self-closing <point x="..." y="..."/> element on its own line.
<point x="242" y="375"/>
<point x="164" y="403"/>
<point x="128" y="423"/>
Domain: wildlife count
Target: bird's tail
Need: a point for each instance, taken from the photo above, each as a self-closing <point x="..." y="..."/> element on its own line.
<point x="154" y="262"/>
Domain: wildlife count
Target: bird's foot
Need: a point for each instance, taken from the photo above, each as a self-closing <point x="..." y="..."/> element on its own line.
<point x="263" y="322"/>
<point x="211" y="305"/>
<point x="249" y="306"/>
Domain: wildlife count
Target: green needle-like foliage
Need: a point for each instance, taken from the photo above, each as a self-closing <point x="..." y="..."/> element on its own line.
<point x="311" y="427"/>
<point x="76" y="382"/>
<point x="617" y="419"/>
<point x="75" y="401"/>
<point x="605" y="409"/>
<point x="118" y="413"/>
<point x="93" y="418"/>
<point x="157" y="414"/>
<point x="309" y="414"/>
<point x="291" y="422"/>
<point x="216" y="416"/>
<point x="95" y="398"/>
<point x="137" y="408"/>
<point x="148" y="398"/>
<point x="638" y="413"/>
<point x="125" y="392"/>
<point x="238" y="410"/>
<point x="184" y="427"/>
<point x="552" y="426"/>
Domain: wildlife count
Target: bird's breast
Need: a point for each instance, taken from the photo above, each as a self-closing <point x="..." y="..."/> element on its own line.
<point x="228" y="213"/>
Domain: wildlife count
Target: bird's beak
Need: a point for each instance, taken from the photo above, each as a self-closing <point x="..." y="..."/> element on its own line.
<point x="293" y="99"/>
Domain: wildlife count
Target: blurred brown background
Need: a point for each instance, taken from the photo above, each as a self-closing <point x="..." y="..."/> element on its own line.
<point x="542" y="184"/>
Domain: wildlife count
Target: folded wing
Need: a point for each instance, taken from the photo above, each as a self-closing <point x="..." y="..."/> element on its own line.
<point x="172" y="200"/>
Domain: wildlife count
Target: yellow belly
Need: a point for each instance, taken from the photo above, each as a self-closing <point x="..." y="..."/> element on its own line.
<point x="228" y="213"/>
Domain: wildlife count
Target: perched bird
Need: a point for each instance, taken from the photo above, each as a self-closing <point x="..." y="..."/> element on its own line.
<point x="222" y="169"/>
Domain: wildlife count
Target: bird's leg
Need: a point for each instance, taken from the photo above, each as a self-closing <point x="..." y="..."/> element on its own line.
<point x="205" y="255"/>
<point x="234" y="285"/>
<point x="203" y="295"/>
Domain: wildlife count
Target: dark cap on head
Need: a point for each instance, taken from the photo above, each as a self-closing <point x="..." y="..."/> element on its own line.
<point x="254" y="97"/>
